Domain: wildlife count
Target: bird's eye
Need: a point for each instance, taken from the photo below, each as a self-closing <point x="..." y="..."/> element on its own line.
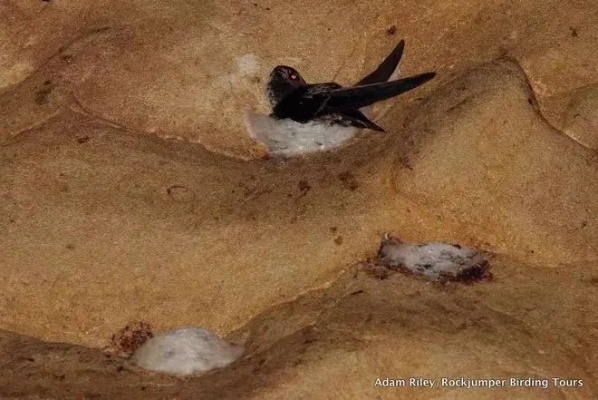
<point x="294" y="77"/>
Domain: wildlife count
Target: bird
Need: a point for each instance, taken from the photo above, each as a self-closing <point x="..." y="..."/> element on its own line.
<point x="292" y="97"/>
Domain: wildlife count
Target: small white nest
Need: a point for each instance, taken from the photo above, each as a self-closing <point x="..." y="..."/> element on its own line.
<point x="287" y="138"/>
<point x="186" y="351"/>
<point x="435" y="261"/>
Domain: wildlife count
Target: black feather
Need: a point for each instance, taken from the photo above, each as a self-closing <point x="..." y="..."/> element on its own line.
<point x="316" y="100"/>
<point x="291" y="97"/>
<point x="386" y="68"/>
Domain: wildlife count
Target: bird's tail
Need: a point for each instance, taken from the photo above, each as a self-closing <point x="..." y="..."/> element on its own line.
<point x="357" y="119"/>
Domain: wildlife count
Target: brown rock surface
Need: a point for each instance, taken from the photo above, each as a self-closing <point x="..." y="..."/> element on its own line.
<point x="334" y="343"/>
<point x="107" y="222"/>
<point x="581" y="122"/>
<point x="185" y="68"/>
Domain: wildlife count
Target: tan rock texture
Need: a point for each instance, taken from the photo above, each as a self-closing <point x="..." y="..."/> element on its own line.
<point x="105" y="219"/>
<point x="334" y="343"/>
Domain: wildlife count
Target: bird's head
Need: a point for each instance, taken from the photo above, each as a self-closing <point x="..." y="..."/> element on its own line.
<point x="282" y="81"/>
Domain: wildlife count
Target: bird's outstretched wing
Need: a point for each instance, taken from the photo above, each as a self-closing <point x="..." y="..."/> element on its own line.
<point x="386" y="68"/>
<point x="360" y="96"/>
<point x="357" y="119"/>
<point x="317" y="100"/>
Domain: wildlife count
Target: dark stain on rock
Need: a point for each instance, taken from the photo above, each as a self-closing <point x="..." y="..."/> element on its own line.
<point x="348" y="180"/>
<point x="41" y="96"/>
<point x="339" y="240"/>
<point x="476" y="273"/>
<point x="574" y="32"/>
<point x="391" y="30"/>
<point x="404" y="162"/>
<point x="82" y="139"/>
<point x="304" y="186"/>
<point x="181" y="194"/>
<point x="130" y="338"/>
